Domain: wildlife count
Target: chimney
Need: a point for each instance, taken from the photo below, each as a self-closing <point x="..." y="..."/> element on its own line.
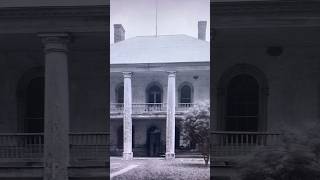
<point x="202" y="27"/>
<point x="119" y="33"/>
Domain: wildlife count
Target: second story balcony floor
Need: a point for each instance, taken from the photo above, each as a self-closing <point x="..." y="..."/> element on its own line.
<point x="148" y="109"/>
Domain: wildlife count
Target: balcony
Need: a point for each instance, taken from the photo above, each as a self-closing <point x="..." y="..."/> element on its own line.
<point x="85" y="148"/>
<point x="148" y="108"/>
<point x="227" y="145"/>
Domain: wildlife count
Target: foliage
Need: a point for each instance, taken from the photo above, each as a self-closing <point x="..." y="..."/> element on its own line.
<point x="196" y="126"/>
<point x="296" y="158"/>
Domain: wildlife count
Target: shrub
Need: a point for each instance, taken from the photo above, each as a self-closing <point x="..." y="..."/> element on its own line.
<point x="196" y="125"/>
<point x="296" y="158"/>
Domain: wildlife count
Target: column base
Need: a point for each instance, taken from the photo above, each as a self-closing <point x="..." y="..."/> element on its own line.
<point x="170" y="156"/>
<point x="127" y="156"/>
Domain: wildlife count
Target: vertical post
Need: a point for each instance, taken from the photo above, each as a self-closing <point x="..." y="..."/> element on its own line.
<point x="56" y="126"/>
<point x="127" y="119"/>
<point x="170" y="126"/>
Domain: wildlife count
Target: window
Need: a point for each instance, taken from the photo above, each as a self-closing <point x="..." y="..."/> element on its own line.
<point x="154" y="94"/>
<point x="119" y="93"/>
<point x="242" y="104"/>
<point x="34" y="114"/>
<point x="185" y="94"/>
<point x="242" y="95"/>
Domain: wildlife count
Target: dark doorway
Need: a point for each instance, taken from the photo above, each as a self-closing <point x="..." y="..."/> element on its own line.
<point x="34" y="106"/>
<point x="242" y="104"/>
<point x="177" y="138"/>
<point x="153" y="142"/>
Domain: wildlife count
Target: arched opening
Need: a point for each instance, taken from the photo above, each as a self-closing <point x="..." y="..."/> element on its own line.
<point x="185" y="94"/>
<point x="242" y="99"/>
<point x="153" y="141"/>
<point x="120" y="137"/>
<point x="242" y="104"/>
<point x="154" y="94"/>
<point x="119" y="93"/>
<point x="154" y="97"/>
<point x="30" y="101"/>
<point x="34" y="106"/>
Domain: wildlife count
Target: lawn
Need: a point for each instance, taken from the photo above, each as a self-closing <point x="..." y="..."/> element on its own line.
<point x="160" y="169"/>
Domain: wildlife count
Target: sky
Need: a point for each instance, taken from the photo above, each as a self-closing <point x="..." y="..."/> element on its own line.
<point x="138" y="17"/>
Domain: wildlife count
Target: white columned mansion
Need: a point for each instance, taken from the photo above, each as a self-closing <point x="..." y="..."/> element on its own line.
<point x="153" y="81"/>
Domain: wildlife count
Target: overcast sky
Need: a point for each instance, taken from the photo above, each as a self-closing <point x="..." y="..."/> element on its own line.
<point x="174" y="17"/>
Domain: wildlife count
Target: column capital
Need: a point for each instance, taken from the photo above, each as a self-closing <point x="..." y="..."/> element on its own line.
<point x="171" y="73"/>
<point x="127" y="74"/>
<point x="55" y="42"/>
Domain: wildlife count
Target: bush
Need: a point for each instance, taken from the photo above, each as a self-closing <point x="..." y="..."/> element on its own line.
<point x="196" y="126"/>
<point x="296" y="158"/>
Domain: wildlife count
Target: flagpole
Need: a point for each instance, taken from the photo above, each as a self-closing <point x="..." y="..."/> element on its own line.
<point x="156" y="18"/>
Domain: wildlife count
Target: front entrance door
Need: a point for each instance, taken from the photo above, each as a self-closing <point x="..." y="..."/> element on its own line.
<point x="153" y="144"/>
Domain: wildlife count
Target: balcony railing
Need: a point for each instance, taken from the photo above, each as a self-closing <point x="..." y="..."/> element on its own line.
<point x="138" y="108"/>
<point x="142" y="108"/>
<point x="21" y="147"/>
<point x="88" y="146"/>
<point x="182" y="107"/>
<point x="28" y="147"/>
<point x="116" y="108"/>
<point x="230" y="143"/>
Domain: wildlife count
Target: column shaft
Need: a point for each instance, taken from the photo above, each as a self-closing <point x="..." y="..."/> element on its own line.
<point x="170" y="126"/>
<point x="127" y="119"/>
<point x="56" y="126"/>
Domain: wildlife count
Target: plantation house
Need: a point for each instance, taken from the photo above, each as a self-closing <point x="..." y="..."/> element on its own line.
<point x="153" y="81"/>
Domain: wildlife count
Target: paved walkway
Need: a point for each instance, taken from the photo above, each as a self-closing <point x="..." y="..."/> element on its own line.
<point x="158" y="168"/>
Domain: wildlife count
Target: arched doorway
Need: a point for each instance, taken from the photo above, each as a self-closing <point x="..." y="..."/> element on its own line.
<point x="34" y="110"/>
<point x="153" y="141"/>
<point x="154" y="97"/>
<point x="242" y="99"/>
<point x="154" y="94"/>
<point x="30" y="97"/>
<point x="242" y="104"/>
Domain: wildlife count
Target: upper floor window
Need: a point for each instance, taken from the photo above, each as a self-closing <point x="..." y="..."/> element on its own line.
<point x="185" y="94"/>
<point x="242" y="104"/>
<point x="119" y="93"/>
<point x="154" y="94"/>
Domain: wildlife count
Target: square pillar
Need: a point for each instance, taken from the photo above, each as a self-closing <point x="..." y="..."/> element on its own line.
<point x="56" y="125"/>
<point x="127" y="119"/>
<point x="171" y="113"/>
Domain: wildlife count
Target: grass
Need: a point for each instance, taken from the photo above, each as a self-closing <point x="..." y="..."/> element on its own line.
<point x="160" y="169"/>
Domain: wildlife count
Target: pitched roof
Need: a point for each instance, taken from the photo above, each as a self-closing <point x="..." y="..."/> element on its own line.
<point x="160" y="49"/>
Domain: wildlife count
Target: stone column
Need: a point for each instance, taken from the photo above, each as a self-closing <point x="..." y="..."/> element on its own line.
<point x="56" y="125"/>
<point x="127" y="119"/>
<point x="171" y="111"/>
